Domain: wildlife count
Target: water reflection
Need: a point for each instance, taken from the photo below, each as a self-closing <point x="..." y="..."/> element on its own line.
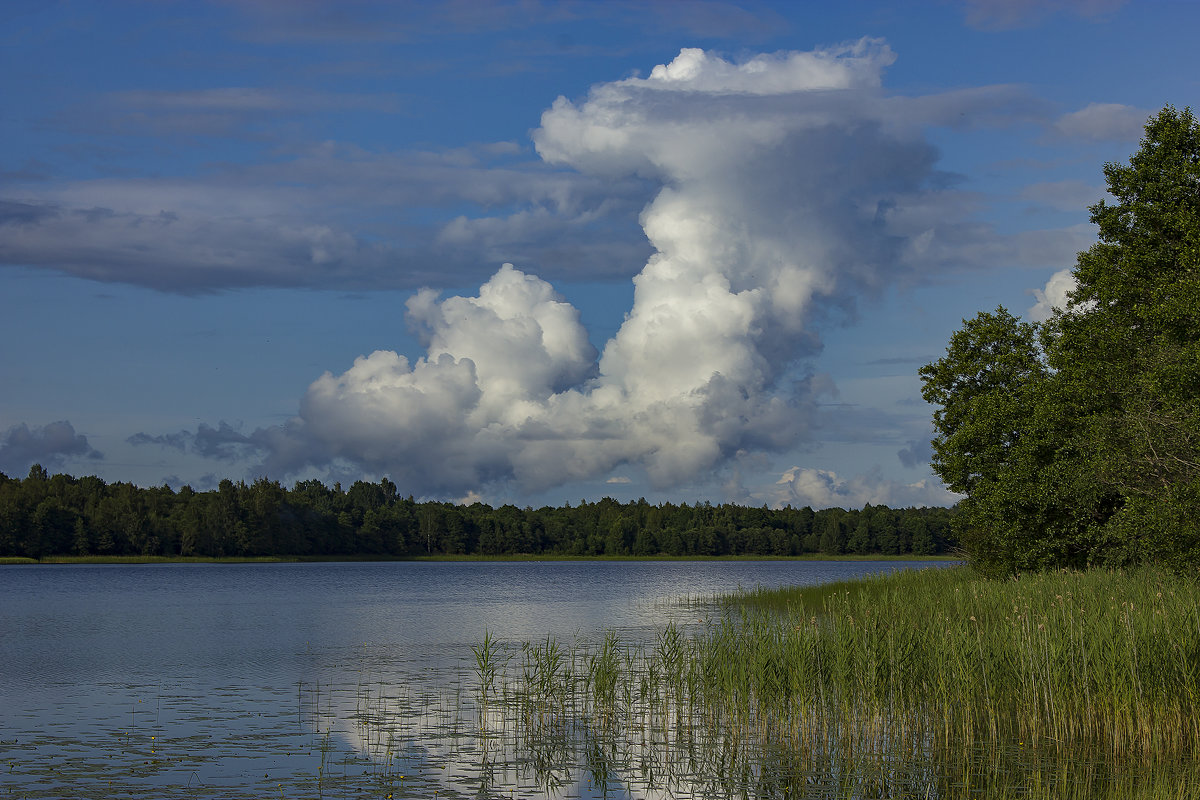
<point x="359" y="680"/>
<point x="549" y="728"/>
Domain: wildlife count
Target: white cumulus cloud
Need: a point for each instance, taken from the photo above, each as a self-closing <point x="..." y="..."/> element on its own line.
<point x="787" y="185"/>
<point x="1054" y="295"/>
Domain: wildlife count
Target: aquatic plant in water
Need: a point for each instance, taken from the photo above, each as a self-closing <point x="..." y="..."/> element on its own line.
<point x="920" y="684"/>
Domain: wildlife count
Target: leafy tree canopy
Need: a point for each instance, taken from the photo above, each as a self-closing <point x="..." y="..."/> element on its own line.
<point x="1076" y="441"/>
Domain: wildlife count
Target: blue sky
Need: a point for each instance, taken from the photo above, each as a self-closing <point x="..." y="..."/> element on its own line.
<point x="268" y="238"/>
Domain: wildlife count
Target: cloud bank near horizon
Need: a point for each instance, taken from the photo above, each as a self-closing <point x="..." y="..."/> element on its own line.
<point x="50" y="445"/>
<point x="821" y="488"/>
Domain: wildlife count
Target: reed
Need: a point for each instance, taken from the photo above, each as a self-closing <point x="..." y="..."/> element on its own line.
<point x="604" y="674"/>
<point x="487" y="664"/>
<point x="920" y="683"/>
<point x="1103" y="658"/>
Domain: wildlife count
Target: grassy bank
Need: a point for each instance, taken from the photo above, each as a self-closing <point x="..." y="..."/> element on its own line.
<point x="1100" y="658"/>
<point x="918" y="683"/>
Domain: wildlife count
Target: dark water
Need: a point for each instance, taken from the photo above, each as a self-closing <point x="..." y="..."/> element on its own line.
<point x="306" y="680"/>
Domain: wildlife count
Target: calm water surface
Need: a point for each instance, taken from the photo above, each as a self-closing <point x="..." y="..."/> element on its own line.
<point x="292" y="680"/>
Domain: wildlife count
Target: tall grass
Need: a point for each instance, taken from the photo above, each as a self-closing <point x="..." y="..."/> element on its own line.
<point x="1098" y="658"/>
<point x="930" y="683"/>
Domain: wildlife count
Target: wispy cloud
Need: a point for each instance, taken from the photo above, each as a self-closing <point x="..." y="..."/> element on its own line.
<point x="1103" y="122"/>
<point x="1009" y="14"/>
<point x="1063" y="195"/>
<point x="374" y="23"/>
<point x="331" y="216"/>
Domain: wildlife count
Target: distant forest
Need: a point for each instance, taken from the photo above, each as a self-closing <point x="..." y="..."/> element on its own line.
<point x="45" y="515"/>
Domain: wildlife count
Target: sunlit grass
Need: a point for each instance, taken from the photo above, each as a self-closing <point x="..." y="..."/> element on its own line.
<point x="1105" y="658"/>
<point x="930" y="683"/>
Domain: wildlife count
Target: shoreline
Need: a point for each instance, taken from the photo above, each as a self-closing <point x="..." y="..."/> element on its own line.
<point x="148" y="560"/>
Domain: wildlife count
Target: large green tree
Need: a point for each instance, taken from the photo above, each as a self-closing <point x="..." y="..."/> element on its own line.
<point x="1076" y="442"/>
<point x="1131" y="353"/>
<point x="1006" y="443"/>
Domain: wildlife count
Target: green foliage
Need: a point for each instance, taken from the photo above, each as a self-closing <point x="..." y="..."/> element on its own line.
<point x="986" y="386"/>
<point x="1076" y="442"/>
<point x="45" y="516"/>
<point x="997" y="439"/>
<point x="1108" y="657"/>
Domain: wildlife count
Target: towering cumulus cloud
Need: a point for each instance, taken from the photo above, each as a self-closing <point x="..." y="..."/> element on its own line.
<point x="787" y="186"/>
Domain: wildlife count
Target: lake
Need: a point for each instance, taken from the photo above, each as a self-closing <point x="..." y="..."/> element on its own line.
<point x="325" y="679"/>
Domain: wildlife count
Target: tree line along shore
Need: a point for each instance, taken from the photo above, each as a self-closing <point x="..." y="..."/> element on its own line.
<point x="62" y="515"/>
